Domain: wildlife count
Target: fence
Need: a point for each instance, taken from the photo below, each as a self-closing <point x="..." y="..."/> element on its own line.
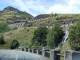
<point x="55" y="54"/>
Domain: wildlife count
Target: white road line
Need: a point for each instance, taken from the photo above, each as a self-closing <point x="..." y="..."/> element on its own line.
<point x="16" y="55"/>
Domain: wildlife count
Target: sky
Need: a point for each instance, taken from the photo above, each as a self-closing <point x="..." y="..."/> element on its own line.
<point x="36" y="7"/>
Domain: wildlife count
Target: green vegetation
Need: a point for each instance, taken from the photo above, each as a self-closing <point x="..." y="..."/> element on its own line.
<point x="59" y="18"/>
<point x="54" y="36"/>
<point x="1" y="39"/>
<point x="14" y="44"/>
<point x="56" y="14"/>
<point x="4" y="27"/>
<point x="39" y="37"/>
<point x="13" y="15"/>
<point x="23" y="36"/>
<point x="74" y="36"/>
<point x="14" y="28"/>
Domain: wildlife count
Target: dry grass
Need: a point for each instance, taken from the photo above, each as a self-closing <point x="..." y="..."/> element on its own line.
<point x="22" y="35"/>
<point x="63" y="16"/>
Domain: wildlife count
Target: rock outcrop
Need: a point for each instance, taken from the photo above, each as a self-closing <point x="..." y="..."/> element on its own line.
<point x="9" y="8"/>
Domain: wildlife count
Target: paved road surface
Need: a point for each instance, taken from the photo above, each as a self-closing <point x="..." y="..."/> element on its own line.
<point x="19" y="55"/>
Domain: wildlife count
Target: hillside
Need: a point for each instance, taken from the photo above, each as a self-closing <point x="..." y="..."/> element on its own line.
<point x="22" y="35"/>
<point x="61" y="18"/>
<point x="10" y="15"/>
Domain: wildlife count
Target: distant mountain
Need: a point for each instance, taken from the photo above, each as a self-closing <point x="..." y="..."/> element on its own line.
<point x="9" y="8"/>
<point x="11" y="14"/>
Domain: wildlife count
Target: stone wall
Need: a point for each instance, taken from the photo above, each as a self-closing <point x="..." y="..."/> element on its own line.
<point x="64" y="24"/>
<point x="41" y="16"/>
<point x="18" y="25"/>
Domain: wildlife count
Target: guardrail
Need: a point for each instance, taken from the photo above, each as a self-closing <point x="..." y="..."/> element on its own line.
<point x="55" y="54"/>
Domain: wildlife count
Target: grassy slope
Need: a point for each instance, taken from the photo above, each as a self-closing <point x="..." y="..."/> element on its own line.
<point x="11" y="16"/>
<point x="22" y="35"/>
<point x="62" y="16"/>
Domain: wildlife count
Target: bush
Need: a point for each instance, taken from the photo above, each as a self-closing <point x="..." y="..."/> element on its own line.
<point x="60" y="45"/>
<point x="27" y="29"/>
<point x="2" y="40"/>
<point x="4" y="27"/>
<point x="57" y="18"/>
<point x="56" y="14"/>
<point x="14" y="44"/>
<point x="14" y="28"/>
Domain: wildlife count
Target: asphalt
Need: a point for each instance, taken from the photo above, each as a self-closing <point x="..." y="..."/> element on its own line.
<point x="19" y="55"/>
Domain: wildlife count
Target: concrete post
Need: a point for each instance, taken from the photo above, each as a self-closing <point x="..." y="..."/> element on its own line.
<point x="22" y="49"/>
<point x="53" y="54"/>
<point x="71" y="55"/>
<point x="38" y="51"/>
<point x="26" y="49"/>
<point x="33" y="50"/>
<point x="44" y="52"/>
<point x="29" y="49"/>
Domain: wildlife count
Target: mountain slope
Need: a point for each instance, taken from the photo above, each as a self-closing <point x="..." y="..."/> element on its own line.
<point x="23" y="35"/>
<point x="10" y="15"/>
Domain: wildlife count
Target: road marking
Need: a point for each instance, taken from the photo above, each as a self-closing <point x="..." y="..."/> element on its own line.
<point x="16" y="55"/>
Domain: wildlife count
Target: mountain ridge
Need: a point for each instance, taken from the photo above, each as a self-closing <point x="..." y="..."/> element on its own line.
<point x="11" y="14"/>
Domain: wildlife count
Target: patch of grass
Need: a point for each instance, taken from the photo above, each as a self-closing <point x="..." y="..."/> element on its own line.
<point x="14" y="16"/>
<point x="61" y="17"/>
<point x="22" y="35"/>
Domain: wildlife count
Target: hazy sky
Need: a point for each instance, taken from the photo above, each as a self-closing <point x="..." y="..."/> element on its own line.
<point x="36" y="7"/>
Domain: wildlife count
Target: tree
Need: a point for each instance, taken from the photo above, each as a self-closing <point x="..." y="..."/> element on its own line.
<point x="57" y="18"/>
<point x="39" y="37"/>
<point x="56" y="14"/>
<point x="14" y="44"/>
<point x="54" y="36"/>
<point x="29" y="18"/>
<point x="4" y="27"/>
<point x="1" y="39"/>
<point x="74" y="36"/>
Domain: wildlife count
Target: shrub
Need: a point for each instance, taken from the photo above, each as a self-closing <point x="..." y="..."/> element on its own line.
<point x="57" y="18"/>
<point x="27" y="29"/>
<point x="4" y="27"/>
<point x="2" y="40"/>
<point x="56" y="14"/>
<point x="14" y="44"/>
<point x="30" y="24"/>
<point x="14" y="28"/>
